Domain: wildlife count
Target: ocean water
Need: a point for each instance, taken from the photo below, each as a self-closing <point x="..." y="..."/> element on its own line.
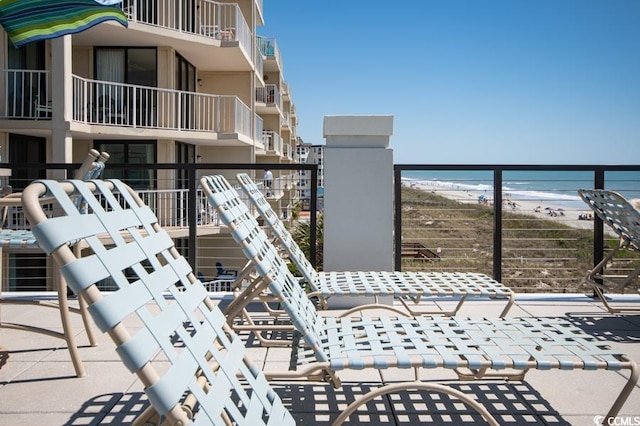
<point x="545" y="186"/>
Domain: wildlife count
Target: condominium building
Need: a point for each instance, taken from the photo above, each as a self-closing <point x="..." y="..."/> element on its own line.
<point x="188" y="81"/>
<point x="307" y="153"/>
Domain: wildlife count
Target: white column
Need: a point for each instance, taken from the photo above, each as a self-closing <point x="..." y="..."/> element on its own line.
<point x="62" y="100"/>
<point x="358" y="193"/>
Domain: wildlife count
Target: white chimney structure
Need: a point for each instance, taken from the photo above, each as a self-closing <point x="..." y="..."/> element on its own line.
<point x="358" y="195"/>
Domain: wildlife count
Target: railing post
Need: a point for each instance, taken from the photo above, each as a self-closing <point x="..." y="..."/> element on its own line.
<point x="397" y="233"/>
<point x="598" y="225"/>
<point x="497" y="224"/>
<point x="313" y="217"/>
<point x="192" y="218"/>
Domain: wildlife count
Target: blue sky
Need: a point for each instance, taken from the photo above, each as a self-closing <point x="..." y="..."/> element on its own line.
<point x="470" y="81"/>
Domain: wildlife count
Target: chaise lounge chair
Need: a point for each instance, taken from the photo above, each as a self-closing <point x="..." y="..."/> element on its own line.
<point x="22" y="240"/>
<point x="505" y="347"/>
<point x="624" y="219"/>
<point x="194" y="368"/>
<point x="408" y="287"/>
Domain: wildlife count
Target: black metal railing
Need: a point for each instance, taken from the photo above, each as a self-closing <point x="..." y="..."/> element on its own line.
<point x="522" y="224"/>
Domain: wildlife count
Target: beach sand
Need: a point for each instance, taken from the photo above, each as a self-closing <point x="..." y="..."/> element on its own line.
<point x="547" y="210"/>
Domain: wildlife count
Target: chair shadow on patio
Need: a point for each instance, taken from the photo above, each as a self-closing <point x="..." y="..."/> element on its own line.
<point x="315" y="404"/>
<point x="621" y="329"/>
<point x="510" y="403"/>
<point x="111" y="408"/>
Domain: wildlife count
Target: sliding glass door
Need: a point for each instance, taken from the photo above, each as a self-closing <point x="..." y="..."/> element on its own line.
<point x="118" y="102"/>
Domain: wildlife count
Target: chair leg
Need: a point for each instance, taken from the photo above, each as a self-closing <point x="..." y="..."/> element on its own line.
<point x="67" y="328"/>
<point x="88" y="324"/>
<point x="86" y="318"/>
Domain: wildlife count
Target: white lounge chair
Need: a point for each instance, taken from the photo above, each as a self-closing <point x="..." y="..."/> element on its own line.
<point x="624" y="219"/>
<point x="194" y="368"/>
<point x="408" y="287"/>
<point x="22" y="240"/>
<point x="506" y="347"/>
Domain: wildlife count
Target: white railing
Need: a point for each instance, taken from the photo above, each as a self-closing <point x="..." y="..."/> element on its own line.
<point x="269" y="95"/>
<point x="27" y="94"/>
<point x="257" y="131"/>
<point x="287" y="151"/>
<point x="269" y="48"/>
<point x="222" y="21"/>
<point x="108" y="103"/>
<point x="286" y="119"/>
<point x="259" y="62"/>
<point x="171" y="207"/>
<point x="272" y="141"/>
<point x="280" y="185"/>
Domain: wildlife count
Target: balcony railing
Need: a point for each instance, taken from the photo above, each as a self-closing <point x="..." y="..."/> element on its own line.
<point x="107" y="103"/>
<point x="269" y="48"/>
<point x="269" y="95"/>
<point x="221" y="21"/>
<point x="171" y="207"/>
<point x="259" y="62"/>
<point x="258" y="131"/>
<point x="225" y="22"/>
<point x="272" y="141"/>
<point x="287" y="151"/>
<point x="126" y="105"/>
<point x="471" y="218"/>
<point x="27" y="94"/>
<point x="523" y="225"/>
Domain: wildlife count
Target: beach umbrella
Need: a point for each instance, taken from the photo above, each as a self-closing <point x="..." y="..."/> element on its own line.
<point x="26" y="21"/>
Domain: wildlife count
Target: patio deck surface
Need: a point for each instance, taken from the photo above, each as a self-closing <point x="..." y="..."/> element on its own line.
<point x="38" y="384"/>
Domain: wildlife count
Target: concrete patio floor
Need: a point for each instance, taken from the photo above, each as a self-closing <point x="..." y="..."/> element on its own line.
<point x="38" y="384"/>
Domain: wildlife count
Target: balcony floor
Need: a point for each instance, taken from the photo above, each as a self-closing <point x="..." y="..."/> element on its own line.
<point x="38" y="384"/>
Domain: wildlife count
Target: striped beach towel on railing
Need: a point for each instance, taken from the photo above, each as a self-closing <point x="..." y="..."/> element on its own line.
<point x="26" y="21"/>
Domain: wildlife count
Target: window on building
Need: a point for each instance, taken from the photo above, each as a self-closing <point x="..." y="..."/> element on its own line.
<point x="130" y="152"/>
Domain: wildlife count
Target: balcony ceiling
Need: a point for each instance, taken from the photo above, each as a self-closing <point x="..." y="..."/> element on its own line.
<point x="204" y="53"/>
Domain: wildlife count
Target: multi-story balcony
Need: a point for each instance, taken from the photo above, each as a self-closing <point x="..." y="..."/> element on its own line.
<point x="172" y="207"/>
<point x="272" y="142"/>
<point x="27" y="94"/>
<point x="258" y="132"/>
<point x="220" y="21"/>
<point x="268" y="99"/>
<point x="259" y="64"/>
<point x="127" y="106"/>
<point x="286" y="120"/>
<point x="270" y="50"/>
<point x="287" y="151"/>
<point x="286" y="94"/>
